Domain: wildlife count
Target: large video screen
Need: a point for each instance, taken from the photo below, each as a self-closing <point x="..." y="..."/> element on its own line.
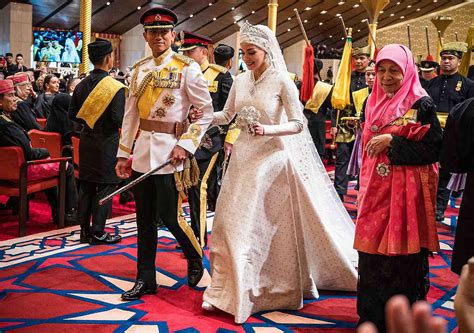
<point x="57" y="46"/>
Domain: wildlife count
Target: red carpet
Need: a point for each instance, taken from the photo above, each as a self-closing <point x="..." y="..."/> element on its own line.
<point x="40" y="216"/>
<point x="51" y="283"/>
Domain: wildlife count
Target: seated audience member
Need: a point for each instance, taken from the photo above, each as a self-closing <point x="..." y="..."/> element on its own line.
<point x="24" y="114"/>
<point x="33" y="95"/>
<point x="62" y="86"/>
<point x="2" y="67"/>
<point x="10" y="67"/>
<point x="20" y="67"/>
<point x="71" y="84"/>
<point x="58" y="120"/>
<point x="50" y="89"/>
<point x="11" y="134"/>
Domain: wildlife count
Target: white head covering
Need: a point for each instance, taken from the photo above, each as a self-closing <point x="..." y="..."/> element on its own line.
<point x="264" y="38"/>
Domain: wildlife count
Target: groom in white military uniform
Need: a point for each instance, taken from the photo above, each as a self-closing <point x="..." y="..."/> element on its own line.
<point x="163" y="88"/>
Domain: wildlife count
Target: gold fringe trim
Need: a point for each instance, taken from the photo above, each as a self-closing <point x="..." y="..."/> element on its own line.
<point x="183" y="224"/>
<point x="203" y="199"/>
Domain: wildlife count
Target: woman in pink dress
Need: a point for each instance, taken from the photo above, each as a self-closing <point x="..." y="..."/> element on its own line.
<point x="395" y="230"/>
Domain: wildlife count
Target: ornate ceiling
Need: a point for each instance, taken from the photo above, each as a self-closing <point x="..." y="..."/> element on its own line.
<point x="220" y="18"/>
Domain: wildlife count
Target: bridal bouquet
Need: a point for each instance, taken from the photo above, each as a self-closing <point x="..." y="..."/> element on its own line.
<point x="246" y="118"/>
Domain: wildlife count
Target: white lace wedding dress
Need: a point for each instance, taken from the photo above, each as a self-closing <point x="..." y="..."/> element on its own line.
<point x="280" y="232"/>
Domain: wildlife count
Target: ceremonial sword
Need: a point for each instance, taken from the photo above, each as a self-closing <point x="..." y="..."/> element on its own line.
<point x="133" y="183"/>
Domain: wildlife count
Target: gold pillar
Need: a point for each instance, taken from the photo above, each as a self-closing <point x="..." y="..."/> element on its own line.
<point x="272" y="14"/>
<point x="85" y="27"/>
<point x="372" y="37"/>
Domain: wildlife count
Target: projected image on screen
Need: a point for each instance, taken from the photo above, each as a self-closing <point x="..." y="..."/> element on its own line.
<point x="57" y="46"/>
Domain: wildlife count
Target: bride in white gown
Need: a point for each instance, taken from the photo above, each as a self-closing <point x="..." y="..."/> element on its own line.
<point x="280" y="232"/>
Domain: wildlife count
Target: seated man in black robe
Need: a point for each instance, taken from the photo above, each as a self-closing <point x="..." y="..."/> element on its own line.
<point x="11" y="134"/>
<point x="24" y="114"/>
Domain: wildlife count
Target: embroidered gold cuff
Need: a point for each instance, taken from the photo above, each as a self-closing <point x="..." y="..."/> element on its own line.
<point x="125" y="149"/>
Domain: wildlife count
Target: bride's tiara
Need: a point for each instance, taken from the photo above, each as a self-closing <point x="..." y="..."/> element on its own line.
<point x="254" y="34"/>
<point x="248" y="29"/>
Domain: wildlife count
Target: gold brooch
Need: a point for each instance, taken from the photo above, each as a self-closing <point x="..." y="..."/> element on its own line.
<point x="383" y="169"/>
<point x="458" y="86"/>
<point x="169" y="99"/>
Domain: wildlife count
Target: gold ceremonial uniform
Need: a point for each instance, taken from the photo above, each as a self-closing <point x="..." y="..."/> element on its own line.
<point x="161" y="93"/>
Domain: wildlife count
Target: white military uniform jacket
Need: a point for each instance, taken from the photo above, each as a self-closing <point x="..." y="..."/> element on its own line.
<point x="151" y="148"/>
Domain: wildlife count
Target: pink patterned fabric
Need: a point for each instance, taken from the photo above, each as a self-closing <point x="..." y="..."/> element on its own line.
<point x="380" y="109"/>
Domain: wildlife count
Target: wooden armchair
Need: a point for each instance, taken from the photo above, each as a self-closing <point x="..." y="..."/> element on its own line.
<point x="14" y="181"/>
<point x="49" y="140"/>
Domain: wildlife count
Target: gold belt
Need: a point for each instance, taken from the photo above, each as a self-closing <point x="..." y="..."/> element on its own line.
<point x="175" y="128"/>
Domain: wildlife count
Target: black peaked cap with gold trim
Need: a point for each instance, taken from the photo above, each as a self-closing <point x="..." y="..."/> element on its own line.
<point x="191" y="40"/>
<point x="159" y="18"/>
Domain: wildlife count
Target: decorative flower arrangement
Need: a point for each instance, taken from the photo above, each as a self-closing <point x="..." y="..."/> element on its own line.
<point x="246" y="118"/>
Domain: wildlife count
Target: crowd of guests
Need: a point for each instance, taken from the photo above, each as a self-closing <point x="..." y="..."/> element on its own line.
<point x="40" y="100"/>
<point x="321" y="51"/>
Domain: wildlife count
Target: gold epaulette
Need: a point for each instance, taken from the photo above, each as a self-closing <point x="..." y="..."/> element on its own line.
<point x="141" y="61"/>
<point x="186" y="60"/>
<point x="133" y="81"/>
<point x="219" y="68"/>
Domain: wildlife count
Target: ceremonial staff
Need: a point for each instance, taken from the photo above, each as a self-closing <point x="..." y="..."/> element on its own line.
<point x="409" y="36"/>
<point x="133" y="183"/>
<point x="343" y="26"/>
<point x="427" y="40"/>
<point x="307" y="83"/>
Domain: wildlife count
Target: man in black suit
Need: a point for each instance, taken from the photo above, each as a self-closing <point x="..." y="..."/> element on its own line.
<point x="98" y="103"/>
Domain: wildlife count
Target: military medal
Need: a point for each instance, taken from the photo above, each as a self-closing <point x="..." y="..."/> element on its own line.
<point x="169" y="100"/>
<point x="160" y="112"/>
<point x="383" y="169"/>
